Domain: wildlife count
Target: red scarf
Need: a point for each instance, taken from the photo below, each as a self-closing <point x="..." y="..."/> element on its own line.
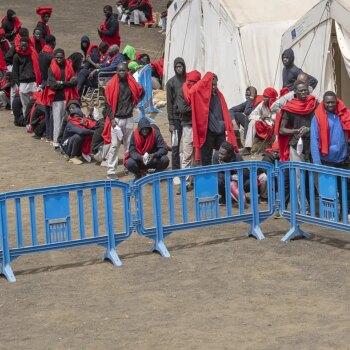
<point x="323" y="126"/>
<point x="70" y="93"/>
<point x="158" y="67"/>
<point x="3" y="66"/>
<point x="35" y="60"/>
<point x="110" y="40"/>
<point x="17" y="24"/>
<point x="112" y="94"/>
<point x="90" y="48"/>
<point x="32" y="43"/>
<point x="200" y="102"/>
<point x="48" y="30"/>
<point x="47" y="48"/>
<point x="258" y="99"/>
<point x="272" y="94"/>
<point x="191" y="78"/>
<point x="295" y="106"/>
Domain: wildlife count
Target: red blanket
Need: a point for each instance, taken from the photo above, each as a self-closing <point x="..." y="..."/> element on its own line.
<point x="35" y="60"/>
<point x="16" y="25"/>
<point x="110" y="40"/>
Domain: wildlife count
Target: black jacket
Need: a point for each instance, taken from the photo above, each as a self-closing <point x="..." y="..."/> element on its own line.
<point x="45" y="59"/>
<point x="173" y="87"/>
<point x="159" y="149"/>
<point x="9" y="26"/>
<point x="184" y="109"/>
<point x="112" y="25"/>
<point x="23" y="71"/>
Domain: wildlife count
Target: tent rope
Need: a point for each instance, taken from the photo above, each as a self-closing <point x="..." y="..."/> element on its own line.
<point x="244" y="59"/>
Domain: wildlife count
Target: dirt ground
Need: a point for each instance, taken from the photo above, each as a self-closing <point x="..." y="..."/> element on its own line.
<point x="219" y="290"/>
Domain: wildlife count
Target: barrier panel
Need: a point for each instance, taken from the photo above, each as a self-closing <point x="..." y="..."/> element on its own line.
<point x="200" y="207"/>
<point x="43" y="220"/>
<point x="146" y="104"/>
<point x="318" y="195"/>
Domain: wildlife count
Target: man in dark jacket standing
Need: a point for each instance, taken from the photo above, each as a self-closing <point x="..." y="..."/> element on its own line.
<point x="291" y="71"/>
<point x="173" y="87"/>
<point x="147" y="150"/>
<point x="109" y="30"/>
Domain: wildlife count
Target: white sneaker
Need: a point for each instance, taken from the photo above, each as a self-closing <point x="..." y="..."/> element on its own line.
<point x="86" y="157"/>
<point x="76" y="161"/>
<point x="104" y="164"/>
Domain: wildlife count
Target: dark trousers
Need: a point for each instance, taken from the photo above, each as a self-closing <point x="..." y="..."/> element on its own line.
<point x="243" y="120"/>
<point x="73" y="147"/>
<point x="40" y="128"/>
<point x="49" y="122"/>
<point x="137" y="167"/>
<point x="84" y="81"/>
<point x="175" y="150"/>
<point x="212" y="142"/>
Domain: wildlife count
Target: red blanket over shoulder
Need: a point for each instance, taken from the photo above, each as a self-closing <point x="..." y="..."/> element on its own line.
<point x="323" y="126"/>
<point x="112" y="94"/>
<point x="16" y="25"/>
<point x="70" y="93"/>
<point x="110" y="40"/>
<point x="200" y="102"/>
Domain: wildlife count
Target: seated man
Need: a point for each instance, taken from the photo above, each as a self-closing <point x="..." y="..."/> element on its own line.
<point x="78" y="131"/>
<point x="227" y="154"/>
<point x="261" y="120"/>
<point x="37" y="116"/>
<point x="5" y="87"/>
<point x="147" y="150"/>
<point x="140" y="11"/>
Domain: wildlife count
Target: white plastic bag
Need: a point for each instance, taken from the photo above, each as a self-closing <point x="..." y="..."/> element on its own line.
<point x="300" y="146"/>
<point x="96" y="114"/>
<point x="146" y="158"/>
<point x="174" y="139"/>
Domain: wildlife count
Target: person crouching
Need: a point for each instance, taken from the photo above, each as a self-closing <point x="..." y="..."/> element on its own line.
<point x="147" y="150"/>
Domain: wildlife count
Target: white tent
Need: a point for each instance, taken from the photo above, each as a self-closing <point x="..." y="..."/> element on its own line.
<point x="239" y="40"/>
<point x="321" y="43"/>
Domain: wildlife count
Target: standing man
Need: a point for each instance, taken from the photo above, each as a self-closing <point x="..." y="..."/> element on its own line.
<point x="45" y="14"/>
<point x="173" y="87"/>
<point x="26" y="72"/>
<point x="330" y="131"/>
<point x="61" y="87"/>
<point x="211" y="121"/>
<point x="123" y="93"/>
<point x="109" y="30"/>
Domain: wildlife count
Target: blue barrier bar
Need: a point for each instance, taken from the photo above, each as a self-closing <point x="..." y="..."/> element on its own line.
<point x="146" y="104"/>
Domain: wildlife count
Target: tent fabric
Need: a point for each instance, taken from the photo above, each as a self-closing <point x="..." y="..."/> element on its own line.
<point x="238" y="40"/>
<point x="343" y="37"/>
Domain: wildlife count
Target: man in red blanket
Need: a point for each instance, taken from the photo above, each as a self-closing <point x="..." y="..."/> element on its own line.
<point x="61" y="87"/>
<point x="123" y="93"/>
<point x="211" y="122"/>
<point x="11" y="25"/>
<point x="147" y="150"/>
<point x="109" y="30"/>
<point x="45" y="14"/>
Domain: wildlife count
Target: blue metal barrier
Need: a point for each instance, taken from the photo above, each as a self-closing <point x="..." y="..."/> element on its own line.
<point x="146" y="104"/>
<point x="170" y="216"/>
<point x="320" y="199"/>
<point x="43" y="220"/>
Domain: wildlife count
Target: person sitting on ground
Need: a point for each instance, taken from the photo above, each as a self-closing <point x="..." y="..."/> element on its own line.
<point x="240" y="113"/>
<point x="26" y="72"/>
<point x="79" y="130"/>
<point x="37" y="116"/>
<point x="4" y="43"/>
<point x="99" y="149"/>
<point x="226" y="154"/>
<point x="211" y="122"/>
<point x="261" y="120"/>
<point x="140" y="11"/>
<point x="45" y="14"/>
<point x="147" y="150"/>
<point x="109" y="30"/>
<point x="113" y="60"/>
<point x="123" y="93"/>
<point x="61" y="87"/>
<point x="122" y="7"/>
<point x="5" y="87"/>
<point x="291" y="71"/>
<point x="129" y="53"/>
<point x="17" y="109"/>
<point x="11" y="25"/>
<point x="36" y="41"/>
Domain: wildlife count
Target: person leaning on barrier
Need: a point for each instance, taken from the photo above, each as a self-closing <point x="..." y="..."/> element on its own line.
<point x="147" y="150"/>
<point x="123" y="93"/>
<point x="226" y="154"/>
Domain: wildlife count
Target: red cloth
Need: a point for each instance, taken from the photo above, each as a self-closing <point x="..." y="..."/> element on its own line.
<point x="32" y="42"/>
<point x="191" y="78"/>
<point x="272" y="93"/>
<point x="90" y="48"/>
<point x="41" y="10"/>
<point x="70" y="93"/>
<point x="295" y="106"/>
<point x="323" y="126"/>
<point x="200" y="102"/>
<point x="3" y="66"/>
<point x="17" y="24"/>
<point x="258" y="99"/>
<point x="3" y="82"/>
<point x="110" y="40"/>
<point x="263" y="130"/>
<point x="17" y="41"/>
<point x="158" y="67"/>
<point x="112" y="94"/>
<point x="135" y="3"/>
<point x="35" y="60"/>
<point x="48" y="48"/>
<point x="48" y="30"/>
<point x="2" y="31"/>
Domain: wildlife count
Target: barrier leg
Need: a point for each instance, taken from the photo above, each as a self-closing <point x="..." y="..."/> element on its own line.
<point x="112" y="256"/>
<point x="295" y="232"/>
<point x="159" y="245"/>
<point x="6" y="270"/>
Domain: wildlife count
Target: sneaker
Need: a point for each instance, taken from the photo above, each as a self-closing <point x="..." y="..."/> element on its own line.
<point x="112" y="177"/>
<point x="222" y="201"/>
<point x="104" y="164"/>
<point x="75" y="160"/>
<point x="86" y="157"/>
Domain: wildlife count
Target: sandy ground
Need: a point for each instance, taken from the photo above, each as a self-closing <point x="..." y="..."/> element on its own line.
<point x="219" y="290"/>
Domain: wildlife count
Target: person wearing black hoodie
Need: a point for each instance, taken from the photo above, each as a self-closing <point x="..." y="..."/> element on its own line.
<point x="173" y="87"/>
<point x="291" y="71"/>
<point x="147" y="150"/>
